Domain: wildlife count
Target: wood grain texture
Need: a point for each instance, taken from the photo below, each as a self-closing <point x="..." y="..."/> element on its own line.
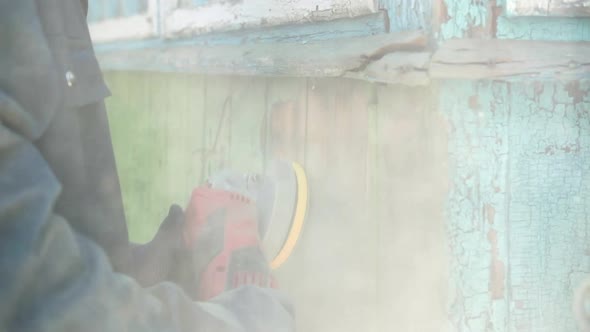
<point x="218" y="106"/>
<point x="247" y="124"/>
<point x="223" y="16"/>
<point x="510" y="59"/>
<point x="286" y="100"/>
<point x="409" y="186"/>
<point x="330" y="58"/>
<point x="156" y="124"/>
<point x="365" y="25"/>
<point x="339" y="238"/>
<point x="408" y="68"/>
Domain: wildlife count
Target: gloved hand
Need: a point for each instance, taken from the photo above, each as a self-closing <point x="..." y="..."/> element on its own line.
<point x="221" y="235"/>
<point x="159" y="259"/>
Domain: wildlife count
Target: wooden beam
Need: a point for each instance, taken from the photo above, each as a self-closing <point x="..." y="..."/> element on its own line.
<point x="318" y="59"/>
<point x="408" y="68"/>
<point x="309" y="32"/>
<point x="396" y="58"/>
<point x="511" y="59"/>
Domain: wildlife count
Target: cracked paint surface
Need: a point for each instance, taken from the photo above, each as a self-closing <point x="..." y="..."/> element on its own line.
<point x="461" y="17"/>
<point x="518" y="206"/>
<point x="472" y="18"/>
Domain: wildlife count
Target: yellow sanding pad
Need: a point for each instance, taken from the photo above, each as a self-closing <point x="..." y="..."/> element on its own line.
<point x="288" y="213"/>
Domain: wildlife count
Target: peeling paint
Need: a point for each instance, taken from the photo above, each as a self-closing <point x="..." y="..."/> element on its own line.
<point x="407" y="14"/>
<point x="463" y="16"/>
<point x="488" y="19"/>
<point x="477" y="114"/>
<point x="518" y="209"/>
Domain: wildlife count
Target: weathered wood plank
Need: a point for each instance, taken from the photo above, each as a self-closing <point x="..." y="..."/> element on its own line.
<point x="286" y="118"/>
<point x="549" y="174"/>
<point x="220" y="15"/>
<point x="366" y="25"/>
<point x="183" y="125"/>
<point x="218" y="106"/>
<point x="338" y="241"/>
<point x="330" y="57"/>
<point x="286" y="101"/>
<point x="410" y="186"/>
<point x="511" y="59"/>
<point x="478" y="204"/>
<point x="407" y="14"/>
<point x="408" y="68"/>
<point x="247" y="116"/>
<point x="571" y="8"/>
<point x="157" y="128"/>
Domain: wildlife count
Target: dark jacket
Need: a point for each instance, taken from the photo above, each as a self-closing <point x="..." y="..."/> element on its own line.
<point x="54" y="273"/>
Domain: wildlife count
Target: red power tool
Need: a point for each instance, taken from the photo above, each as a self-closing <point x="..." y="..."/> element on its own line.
<point x="237" y="223"/>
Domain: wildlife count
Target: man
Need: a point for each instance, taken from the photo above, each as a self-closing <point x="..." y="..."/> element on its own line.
<point x="65" y="260"/>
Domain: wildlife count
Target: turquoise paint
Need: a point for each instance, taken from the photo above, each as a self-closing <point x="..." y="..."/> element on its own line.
<point x="521" y="151"/>
<point x="367" y="25"/>
<point x="200" y="2"/>
<point x="105" y="9"/>
<point x="549" y="134"/>
<point x="95" y="12"/>
<point x="463" y="16"/>
<point x="542" y="28"/>
<point x="407" y="14"/>
<point x="111" y="8"/>
<point x="133" y="7"/>
<point x="478" y="153"/>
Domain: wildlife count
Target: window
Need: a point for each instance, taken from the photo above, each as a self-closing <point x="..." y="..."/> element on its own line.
<point x="112" y="20"/>
<point x="571" y="8"/>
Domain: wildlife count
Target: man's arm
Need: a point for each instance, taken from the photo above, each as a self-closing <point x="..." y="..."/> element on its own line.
<point x="52" y="279"/>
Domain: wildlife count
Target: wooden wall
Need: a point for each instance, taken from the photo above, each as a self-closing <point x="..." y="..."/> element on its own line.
<point x="373" y="255"/>
<point x="462" y="206"/>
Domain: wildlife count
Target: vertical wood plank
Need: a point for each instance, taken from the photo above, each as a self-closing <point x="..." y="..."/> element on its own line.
<point x="285" y="125"/>
<point x="286" y="118"/>
<point x="247" y="119"/>
<point x="549" y="176"/>
<point x="218" y="106"/>
<point x="477" y="207"/>
<point x="337" y="243"/>
<point x="183" y="128"/>
<point x="411" y="186"/>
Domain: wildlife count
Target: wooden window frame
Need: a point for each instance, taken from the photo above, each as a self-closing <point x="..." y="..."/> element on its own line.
<point x="234" y="15"/>
<point x="133" y="27"/>
<point x="563" y="8"/>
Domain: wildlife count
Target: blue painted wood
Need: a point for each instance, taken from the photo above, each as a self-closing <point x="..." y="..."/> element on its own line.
<point x="407" y="14"/>
<point x="477" y="204"/>
<point x="366" y="25"/>
<point x="95" y="11"/>
<point x="518" y="209"/>
<point x="468" y="18"/>
<point x="549" y="175"/>
<point x="111" y="8"/>
<point x="133" y="7"/>
<point x="200" y="2"/>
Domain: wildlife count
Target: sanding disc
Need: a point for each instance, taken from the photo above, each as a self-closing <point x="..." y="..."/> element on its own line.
<point x="281" y="195"/>
<point x="285" y="207"/>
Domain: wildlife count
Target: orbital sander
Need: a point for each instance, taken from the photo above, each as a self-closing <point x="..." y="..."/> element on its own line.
<point x="237" y="223"/>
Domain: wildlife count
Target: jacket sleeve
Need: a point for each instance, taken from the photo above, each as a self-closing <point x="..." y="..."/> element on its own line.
<point x="51" y="278"/>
